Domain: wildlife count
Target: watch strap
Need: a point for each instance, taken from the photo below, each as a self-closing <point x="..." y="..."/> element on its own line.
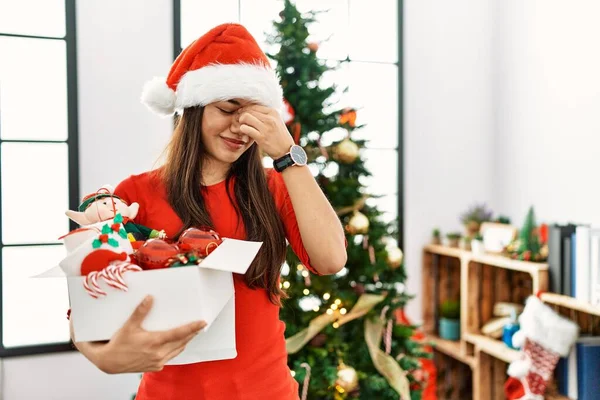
<point x="283" y="162"/>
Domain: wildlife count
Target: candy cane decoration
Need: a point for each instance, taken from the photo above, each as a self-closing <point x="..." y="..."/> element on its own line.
<point x="112" y="275"/>
<point x="306" y="380"/>
<point x="387" y="338"/>
<point x="88" y="289"/>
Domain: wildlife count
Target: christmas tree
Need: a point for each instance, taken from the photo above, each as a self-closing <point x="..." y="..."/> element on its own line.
<point x="343" y="336"/>
<point x="531" y="245"/>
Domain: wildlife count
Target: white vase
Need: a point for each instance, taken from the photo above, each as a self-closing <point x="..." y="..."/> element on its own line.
<point x="477" y="247"/>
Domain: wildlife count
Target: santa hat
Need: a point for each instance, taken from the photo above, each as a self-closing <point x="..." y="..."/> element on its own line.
<point x="223" y="64"/>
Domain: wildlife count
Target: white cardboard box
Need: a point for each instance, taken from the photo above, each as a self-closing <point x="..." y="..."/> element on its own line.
<point x="181" y="295"/>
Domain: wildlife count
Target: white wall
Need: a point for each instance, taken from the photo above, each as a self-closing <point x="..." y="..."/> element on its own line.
<point x="501" y="105"/>
<point x="119" y="46"/>
<point x="448" y="123"/>
<point x="547" y="102"/>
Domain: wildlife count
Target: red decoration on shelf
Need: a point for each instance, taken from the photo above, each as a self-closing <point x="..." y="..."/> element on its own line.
<point x="155" y="254"/>
<point x="202" y="241"/>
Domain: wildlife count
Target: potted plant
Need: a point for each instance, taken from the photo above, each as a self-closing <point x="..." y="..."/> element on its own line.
<point x="453" y="239"/>
<point x="436" y="237"/>
<point x="465" y="243"/>
<point x="474" y="217"/>
<point x="477" y="244"/>
<point x="449" y="323"/>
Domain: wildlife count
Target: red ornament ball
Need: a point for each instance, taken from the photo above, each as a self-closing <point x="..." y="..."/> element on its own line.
<point x="313" y="47"/>
<point x="155" y="254"/>
<point x="202" y="241"/>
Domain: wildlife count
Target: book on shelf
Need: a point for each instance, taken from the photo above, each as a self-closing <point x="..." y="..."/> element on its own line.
<point x="574" y="261"/>
<point x="578" y="374"/>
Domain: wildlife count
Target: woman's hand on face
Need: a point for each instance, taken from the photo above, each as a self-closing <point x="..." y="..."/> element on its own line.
<point x="133" y="349"/>
<point x="265" y="126"/>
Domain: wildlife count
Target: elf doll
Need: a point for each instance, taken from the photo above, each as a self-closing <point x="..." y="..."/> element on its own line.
<point x="104" y="205"/>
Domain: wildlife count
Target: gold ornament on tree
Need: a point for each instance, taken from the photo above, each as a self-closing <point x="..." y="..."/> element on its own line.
<point x="346" y="151"/>
<point x="313" y="47"/>
<point x="358" y="224"/>
<point x="394" y="257"/>
<point x="347" y="379"/>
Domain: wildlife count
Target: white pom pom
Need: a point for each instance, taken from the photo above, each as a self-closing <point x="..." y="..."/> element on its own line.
<point x="518" y="339"/>
<point x="519" y="368"/>
<point x="159" y="97"/>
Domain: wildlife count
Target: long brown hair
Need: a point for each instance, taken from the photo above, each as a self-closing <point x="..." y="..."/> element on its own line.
<point x="253" y="201"/>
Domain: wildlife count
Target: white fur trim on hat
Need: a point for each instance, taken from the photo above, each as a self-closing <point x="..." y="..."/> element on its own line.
<point x="159" y="97"/>
<point x="220" y="82"/>
<point x="543" y="325"/>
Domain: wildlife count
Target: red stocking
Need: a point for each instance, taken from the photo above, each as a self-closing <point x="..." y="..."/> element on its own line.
<point x="544" y="337"/>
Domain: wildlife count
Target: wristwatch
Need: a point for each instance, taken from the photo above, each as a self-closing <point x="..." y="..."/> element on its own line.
<point x="296" y="156"/>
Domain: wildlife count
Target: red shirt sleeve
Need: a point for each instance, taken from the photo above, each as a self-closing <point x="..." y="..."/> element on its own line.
<point x="288" y="217"/>
<point x="127" y="191"/>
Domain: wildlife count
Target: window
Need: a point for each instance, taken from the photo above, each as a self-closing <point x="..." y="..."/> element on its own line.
<point x="38" y="170"/>
<point x="369" y="38"/>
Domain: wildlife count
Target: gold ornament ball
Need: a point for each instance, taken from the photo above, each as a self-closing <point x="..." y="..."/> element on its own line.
<point x="394" y="257"/>
<point x="347" y="378"/>
<point x="347" y="151"/>
<point x="313" y="47"/>
<point x="358" y="224"/>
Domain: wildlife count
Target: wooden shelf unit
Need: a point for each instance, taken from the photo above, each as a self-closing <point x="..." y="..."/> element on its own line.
<point x="478" y="282"/>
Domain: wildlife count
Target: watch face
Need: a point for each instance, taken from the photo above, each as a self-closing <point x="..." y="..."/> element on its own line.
<point x="298" y="155"/>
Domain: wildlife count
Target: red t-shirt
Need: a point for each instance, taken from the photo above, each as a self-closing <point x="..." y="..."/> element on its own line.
<point x="260" y="369"/>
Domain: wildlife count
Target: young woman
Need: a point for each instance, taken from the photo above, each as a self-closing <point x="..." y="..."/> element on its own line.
<point x="228" y="97"/>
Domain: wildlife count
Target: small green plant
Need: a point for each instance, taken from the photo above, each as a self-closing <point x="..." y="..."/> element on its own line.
<point x="478" y="236"/>
<point x="450" y="309"/>
<point x="436" y="233"/>
<point x="503" y="220"/>
<point x="453" y="235"/>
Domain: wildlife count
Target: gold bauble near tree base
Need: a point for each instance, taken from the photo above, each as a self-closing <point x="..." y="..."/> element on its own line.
<point x="347" y="379"/>
<point x="394" y="257"/>
<point x="346" y="151"/>
<point x="358" y="224"/>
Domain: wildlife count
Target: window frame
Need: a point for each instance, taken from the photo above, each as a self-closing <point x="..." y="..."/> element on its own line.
<point x="72" y="142"/>
<point x="400" y="66"/>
